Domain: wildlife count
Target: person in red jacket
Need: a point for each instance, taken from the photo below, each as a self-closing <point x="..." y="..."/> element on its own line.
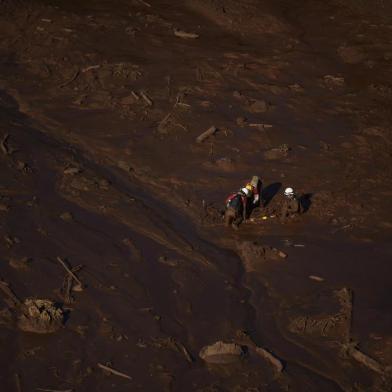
<point x="238" y="204"/>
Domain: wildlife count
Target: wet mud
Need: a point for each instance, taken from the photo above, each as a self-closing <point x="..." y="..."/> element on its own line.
<point x="123" y="127"/>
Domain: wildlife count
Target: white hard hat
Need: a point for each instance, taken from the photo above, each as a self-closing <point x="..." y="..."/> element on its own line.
<point x="246" y="191"/>
<point x="289" y="192"/>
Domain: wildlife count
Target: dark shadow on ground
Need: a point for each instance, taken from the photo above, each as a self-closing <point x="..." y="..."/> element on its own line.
<point x="269" y="192"/>
<point x="306" y="201"/>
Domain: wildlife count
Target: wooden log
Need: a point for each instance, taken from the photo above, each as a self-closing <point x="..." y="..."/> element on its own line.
<point x="205" y="135"/>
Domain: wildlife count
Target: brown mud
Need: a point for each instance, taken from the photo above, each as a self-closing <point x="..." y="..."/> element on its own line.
<point x="110" y="201"/>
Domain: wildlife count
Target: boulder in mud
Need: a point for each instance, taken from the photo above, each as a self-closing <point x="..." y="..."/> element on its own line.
<point x="223" y="353"/>
<point x="40" y="316"/>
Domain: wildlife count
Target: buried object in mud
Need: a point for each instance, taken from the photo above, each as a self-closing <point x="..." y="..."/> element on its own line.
<point x="222" y="353"/>
<point x="40" y="316"/>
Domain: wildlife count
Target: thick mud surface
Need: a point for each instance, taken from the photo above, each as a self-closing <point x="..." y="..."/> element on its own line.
<point x="101" y="103"/>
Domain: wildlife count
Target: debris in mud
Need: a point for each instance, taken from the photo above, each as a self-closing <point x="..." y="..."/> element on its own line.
<point x="40" y="316"/>
<point x="254" y="255"/>
<point x="222" y="353"/>
<point x="22" y="264"/>
<point x="185" y="35"/>
<point x="146" y="98"/>
<point x="72" y="171"/>
<point x="333" y="81"/>
<point x="69" y="286"/>
<point x="66" y="217"/>
<point x="168" y="261"/>
<point x="333" y="324"/>
<point x="205" y="135"/>
<point x="274" y="361"/>
<point x="316" y="278"/>
<point x="110" y="370"/>
<point x="277" y="153"/>
<point x="351" y="54"/>
<point x="4" y="207"/>
<point x="244" y="339"/>
<point x="4" y="145"/>
<point x="258" y="106"/>
<point x="79" y="284"/>
<point x="124" y="166"/>
<point x="351" y="349"/>
<point x="241" y="121"/>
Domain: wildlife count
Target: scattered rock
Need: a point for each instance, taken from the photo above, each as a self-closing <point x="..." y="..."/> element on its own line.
<point x="40" y="316"/>
<point x="222" y="353"/>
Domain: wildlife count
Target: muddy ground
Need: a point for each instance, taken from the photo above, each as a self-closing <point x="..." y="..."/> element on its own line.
<point x="101" y="103"/>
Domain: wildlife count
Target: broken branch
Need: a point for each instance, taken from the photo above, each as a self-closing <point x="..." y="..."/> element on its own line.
<point x="209" y="132"/>
<point x="79" y="286"/>
<point x="113" y="371"/>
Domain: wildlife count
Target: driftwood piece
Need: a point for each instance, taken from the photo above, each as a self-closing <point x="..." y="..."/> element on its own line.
<point x="146" y="98"/>
<point x="185" y="35"/>
<point x="205" y="135"/>
<point x="114" y="371"/>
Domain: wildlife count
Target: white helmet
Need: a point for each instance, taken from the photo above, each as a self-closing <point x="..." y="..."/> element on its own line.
<point x="245" y="191"/>
<point x="289" y="192"/>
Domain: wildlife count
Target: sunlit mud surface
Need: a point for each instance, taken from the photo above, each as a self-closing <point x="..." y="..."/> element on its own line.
<point x="101" y="103"/>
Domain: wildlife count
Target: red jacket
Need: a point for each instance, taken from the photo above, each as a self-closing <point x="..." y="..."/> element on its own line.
<point x="244" y="201"/>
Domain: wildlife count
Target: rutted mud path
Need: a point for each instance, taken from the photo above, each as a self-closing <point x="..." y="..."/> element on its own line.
<point x="101" y="108"/>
